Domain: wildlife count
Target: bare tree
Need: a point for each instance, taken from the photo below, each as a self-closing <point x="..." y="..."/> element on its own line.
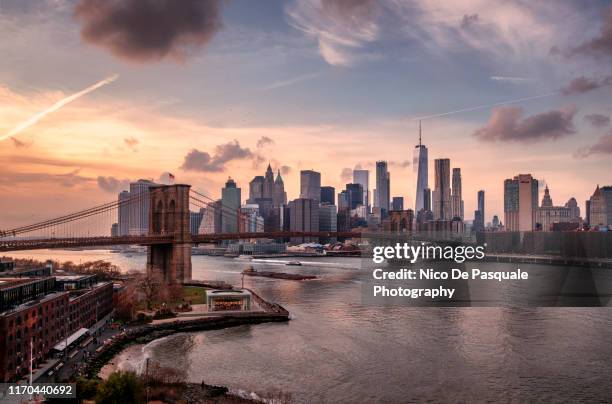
<point x="151" y="285"/>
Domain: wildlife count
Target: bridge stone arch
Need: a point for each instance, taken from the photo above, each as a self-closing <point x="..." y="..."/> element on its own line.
<point x="169" y="215"/>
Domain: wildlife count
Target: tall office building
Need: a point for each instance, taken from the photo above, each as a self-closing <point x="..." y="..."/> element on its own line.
<point x="328" y="195"/>
<point x="328" y="220"/>
<point x="279" y="196"/>
<point x="268" y="185"/>
<point x="230" y="205"/>
<point x="442" y="208"/>
<point x="479" y="214"/>
<point x="419" y="163"/>
<point x="355" y="195"/>
<point x="123" y="219"/>
<point x="481" y="203"/>
<point x="456" y="200"/>
<point x="343" y="200"/>
<point x="195" y="221"/>
<point x="397" y="203"/>
<point x="362" y="177"/>
<point x="600" y="207"/>
<point x="304" y="217"/>
<point x="310" y="185"/>
<point x="256" y="188"/>
<point x="383" y="187"/>
<point x="139" y="207"/>
<point x="520" y="203"/>
<point x="427" y="199"/>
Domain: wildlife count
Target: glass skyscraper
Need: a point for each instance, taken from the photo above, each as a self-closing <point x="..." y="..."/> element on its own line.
<point x="420" y="170"/>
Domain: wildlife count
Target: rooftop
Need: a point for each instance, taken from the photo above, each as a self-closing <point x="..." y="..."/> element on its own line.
<point x="73" y="277"/>
<point x="233" y="293"/>
<point x="7" y="283"/>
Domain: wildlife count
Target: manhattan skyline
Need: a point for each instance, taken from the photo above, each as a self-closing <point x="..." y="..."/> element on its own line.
<point x="324" y="85"/>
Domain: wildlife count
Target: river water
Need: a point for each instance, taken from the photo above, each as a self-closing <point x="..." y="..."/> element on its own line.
<point x="335" y="349"/>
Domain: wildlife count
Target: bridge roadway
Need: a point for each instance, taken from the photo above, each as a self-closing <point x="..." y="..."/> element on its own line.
<point x="76" y="242"/>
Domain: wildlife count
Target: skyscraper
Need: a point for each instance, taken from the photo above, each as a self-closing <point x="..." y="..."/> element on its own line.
<point x="383" y="187"/>
<point x="427" y="199"/>
<point x="600" y="207"/>
<point x="397" y="203"/>
<point x="230" y="205"/>
<point x="355" y="195"/>
<point x="442" y="208"/>
<point x="362" y="177"/>
<point x="479" y="214"/>
<point x="304" y="217"/>
<point x="123" y="221"/>
<point x="268" y="185"/>
<point x="520" y="202"/>
<point x="456" y="200"/>
<point x="419" y="163"/>
<point x="279" y="195"/>
<point x="195" y="220"/>
<point x="328" y="220"/>
<point x="256" y="189"/>
<point x="481" y="203"/>
<point x="139" y="207"/>
<point x="310" y="185"/>
<point x="328" y="195"/>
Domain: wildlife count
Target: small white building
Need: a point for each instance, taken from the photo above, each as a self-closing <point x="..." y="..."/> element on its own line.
<point x="228" y="300"/>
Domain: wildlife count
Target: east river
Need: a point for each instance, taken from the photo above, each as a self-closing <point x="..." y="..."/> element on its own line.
<point x="335" y="349"/>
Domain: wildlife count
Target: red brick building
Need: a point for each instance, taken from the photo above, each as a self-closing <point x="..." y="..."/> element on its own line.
<point x="40" y="321"/>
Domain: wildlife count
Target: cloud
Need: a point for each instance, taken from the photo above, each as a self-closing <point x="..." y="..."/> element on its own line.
<point x="583" y="84"/>
<point x="131" y="142"/>
<point x="67" y="180"/>
<point x="264" y="141"/>
<point x="18" y="143"/>
<point x="601" y="45"/>
<point x="597" y="120"/>
<point x="507" y="125"/>
<point x="603" y="146"/>
<point x="346" y="175"/>
<point x="340" y="27"/>
<point x="400" y="164"/>
<point x="468" y="21"/>
<point x="197" y="160"/>
<point x="149" y="30"/>
<point x="112" y="184"/>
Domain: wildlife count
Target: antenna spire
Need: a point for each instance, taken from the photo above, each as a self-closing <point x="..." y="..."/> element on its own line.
<point x="419" y="132"/>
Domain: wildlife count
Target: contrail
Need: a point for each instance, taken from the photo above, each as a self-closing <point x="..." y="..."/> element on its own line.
<point x="34" y="119"/>
<point x="483" y="106"/>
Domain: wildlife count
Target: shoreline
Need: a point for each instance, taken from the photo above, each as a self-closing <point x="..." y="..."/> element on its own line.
<point x="144" y="334"/>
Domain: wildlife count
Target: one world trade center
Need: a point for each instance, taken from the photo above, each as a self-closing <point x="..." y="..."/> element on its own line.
<point x="420" y="170"/>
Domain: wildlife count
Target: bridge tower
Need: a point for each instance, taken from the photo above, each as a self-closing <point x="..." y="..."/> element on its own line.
<point x="169" y="215"/>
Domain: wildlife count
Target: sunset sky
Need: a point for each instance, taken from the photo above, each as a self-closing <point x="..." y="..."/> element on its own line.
<point x="211" y="89"/>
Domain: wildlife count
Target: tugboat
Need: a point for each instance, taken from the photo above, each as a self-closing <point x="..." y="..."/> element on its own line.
<point x="294" y="263"/>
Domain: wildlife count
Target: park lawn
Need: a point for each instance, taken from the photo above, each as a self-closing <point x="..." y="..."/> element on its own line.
<point x="195" y="294"/>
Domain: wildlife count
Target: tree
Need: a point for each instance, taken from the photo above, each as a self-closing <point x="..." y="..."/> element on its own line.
<point x="120" y="388"/>
<point x="151" y="285"/>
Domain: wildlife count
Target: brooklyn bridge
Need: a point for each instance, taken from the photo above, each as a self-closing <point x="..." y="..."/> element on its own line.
<point x="169" y="239"/>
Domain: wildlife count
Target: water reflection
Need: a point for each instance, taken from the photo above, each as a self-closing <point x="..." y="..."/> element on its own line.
<point x="337" y="349"/>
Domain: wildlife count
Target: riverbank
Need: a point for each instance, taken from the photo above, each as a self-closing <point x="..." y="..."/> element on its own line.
<point x="144" y="334"/>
